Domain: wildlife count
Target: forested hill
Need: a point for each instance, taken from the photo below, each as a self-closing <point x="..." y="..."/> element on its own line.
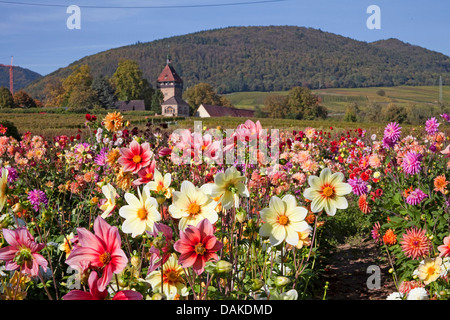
<point x="21" y="77"/>
<point x="274" y="58"/>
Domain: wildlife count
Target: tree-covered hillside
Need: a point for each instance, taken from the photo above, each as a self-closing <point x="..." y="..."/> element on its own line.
<point x="273" y="58"/>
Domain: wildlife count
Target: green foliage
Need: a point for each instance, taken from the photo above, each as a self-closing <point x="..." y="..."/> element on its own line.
<point x="274" y="58"/>
<point x="395" y="113"/>
<point x="128" y="81"/>
<point x="204" y="93"/>
<point x="6" y="98"/>
<point x="11" y="129"/>
<point x="351" y="112"/>
<point x="105" y="92"/>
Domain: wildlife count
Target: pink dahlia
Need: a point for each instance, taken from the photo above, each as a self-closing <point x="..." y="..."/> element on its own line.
<point x="431" y="126"/>
<point x="22" y="252"/>
<point x="102" y="251"/>
<point x="411" y="162"/>
<point x="146" y="174"/>
<point x="415" y="243"/>
<point x="415" y="197"/>
<point x="197" y="245"/>
<point x="376" y="235"/>
<point x="359" y="186"/>
<point x="392" y="131"/>
<point x="406" y="286"/>
<point x="95" y="294"/>
<point x="444" y="249"/>
<point x="162" y="246"/>
<point x="136" y="157"/>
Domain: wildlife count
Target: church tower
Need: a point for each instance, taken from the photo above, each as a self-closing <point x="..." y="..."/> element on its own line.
<point x="171" y="86"/>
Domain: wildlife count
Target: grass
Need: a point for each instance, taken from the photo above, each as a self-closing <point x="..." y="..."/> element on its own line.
<point x="337" y="99"/>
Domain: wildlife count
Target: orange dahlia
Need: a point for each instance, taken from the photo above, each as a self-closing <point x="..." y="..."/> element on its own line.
<point x="415" y="243"/>
<point x="390" y="237"/>
<point x="440" y="183"/>
<point x="113" y="121"/>
<point x="363" y="204"/>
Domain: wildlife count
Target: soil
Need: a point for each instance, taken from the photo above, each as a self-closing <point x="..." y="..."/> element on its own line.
<point x="348" y="275"/>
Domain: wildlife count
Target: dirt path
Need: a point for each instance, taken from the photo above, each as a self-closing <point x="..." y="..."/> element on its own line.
<point x="346" y="272"/>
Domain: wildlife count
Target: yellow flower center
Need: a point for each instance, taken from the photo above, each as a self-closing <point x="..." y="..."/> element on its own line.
<point x="142" y="213"/>
<point x="149" y="175"/>
<point x="283" y="220"/>
<point x="193" y="209"/>
<point x="199" y="249"/>
<point x="431" y="270"/>
<point x="328" y="191"/>
<point x="137" y="159"/>
<point x="171" y="276"/>
<point x="160" y="186"/>
<point x="104" y="258"/>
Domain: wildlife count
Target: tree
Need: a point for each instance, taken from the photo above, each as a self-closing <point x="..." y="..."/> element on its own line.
<point x="203" y="93"/>
<point x="275" y="106"/>
<point x="352" y="112"/>
<point x="128" y="82"/>
<point x="157" y="100"/>
<point x="23" y="99"/>
<point x="395" y="113"/>
<point x="6" y="98"/>
<point x="373" y="112"/>
<point x="54" y="93"/>
<point x="82" y="99"/>
<point x="303" y="104"/>
<point x="80" y="79"/>
<point x="105" y="92"/>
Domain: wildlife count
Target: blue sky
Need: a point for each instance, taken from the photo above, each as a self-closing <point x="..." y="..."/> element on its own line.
<point x="38" y="38"/>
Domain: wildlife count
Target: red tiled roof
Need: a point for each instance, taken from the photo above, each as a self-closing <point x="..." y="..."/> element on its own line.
<point x="169" y="74"/>
<point x="219" y="111"/>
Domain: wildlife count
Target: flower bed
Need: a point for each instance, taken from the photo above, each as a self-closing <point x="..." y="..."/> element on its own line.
<point x="211" y="214"/>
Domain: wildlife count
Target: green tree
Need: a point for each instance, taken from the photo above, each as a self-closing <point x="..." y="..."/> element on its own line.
<point x="128" y="81"/>
<point x="373" y="112"/>
<point x="395" y="113"/>
<point x="204" y="93"/>
<point x="303" y="104"/>
<point x="82" y="99"/>
<point x="6" y="98"/>
<point x="105" y="92"/>
<point x="352" y="112"/>
<point x="80" y="79"/>
<point x="157" y="100"/>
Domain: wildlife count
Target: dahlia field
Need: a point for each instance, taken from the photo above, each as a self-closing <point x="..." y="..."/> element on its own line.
<point x="121" y="213"/>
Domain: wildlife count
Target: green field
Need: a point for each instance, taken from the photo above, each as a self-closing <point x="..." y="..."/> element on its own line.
<point x="337" y="99"/>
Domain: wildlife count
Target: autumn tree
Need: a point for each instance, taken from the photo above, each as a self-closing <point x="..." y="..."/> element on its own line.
<point x="303" y="104"/>
<point x="82" y="99"/>
<point x="23" y="99"/>
<point x="54" y="93"/>
<point x="275" y="106"/>
<point x="204" y="93"/>
<point x="6" y="98"/>
<point x="80" y="79"/>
